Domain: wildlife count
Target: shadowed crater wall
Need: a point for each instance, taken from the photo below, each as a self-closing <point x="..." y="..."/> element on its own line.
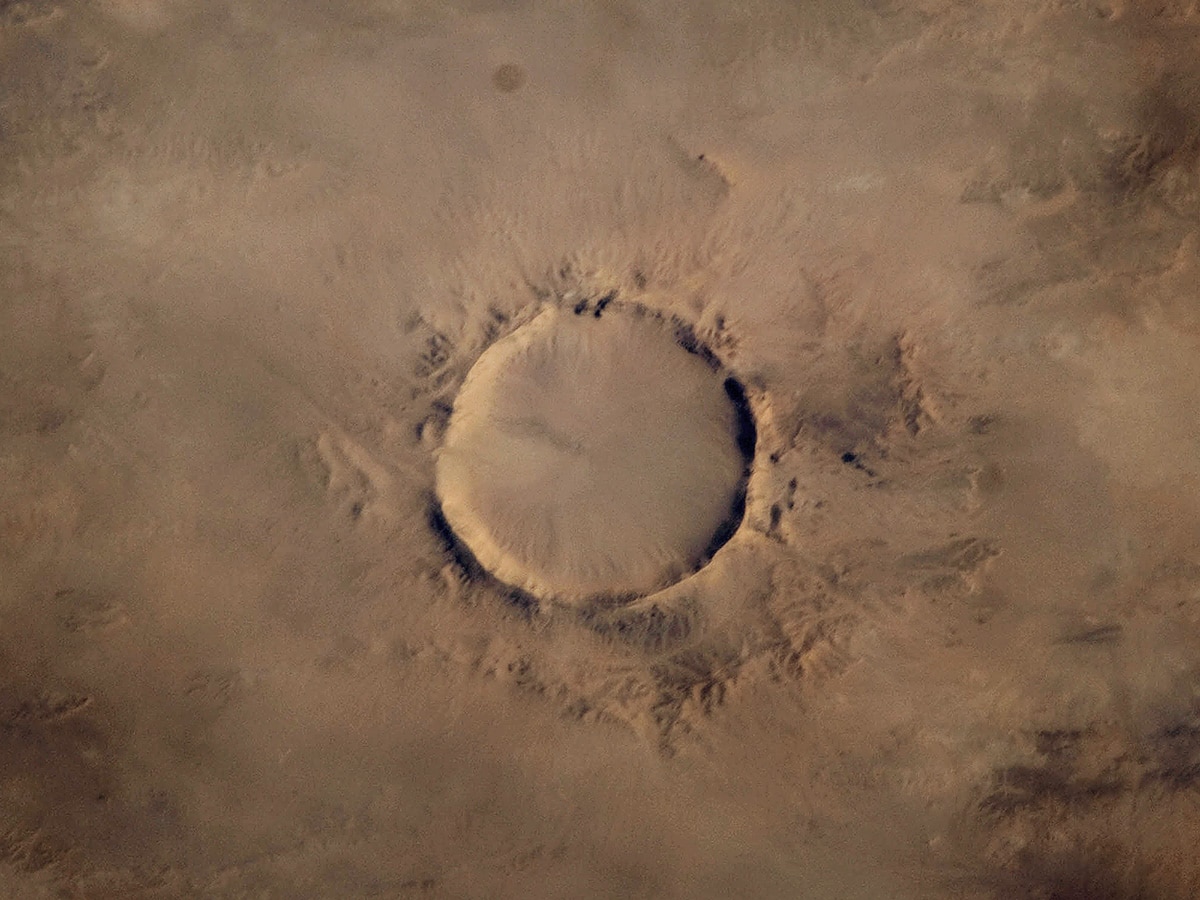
<point x="593" y="458"/>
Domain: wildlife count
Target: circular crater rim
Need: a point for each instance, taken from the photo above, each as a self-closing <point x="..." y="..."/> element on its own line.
<point x="745" y="437"/>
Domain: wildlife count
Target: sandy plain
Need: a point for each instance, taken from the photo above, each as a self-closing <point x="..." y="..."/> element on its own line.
<point x="248" y="254"/>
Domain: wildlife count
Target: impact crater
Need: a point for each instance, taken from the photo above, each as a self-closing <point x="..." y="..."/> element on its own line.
<point x="594" y="457"/>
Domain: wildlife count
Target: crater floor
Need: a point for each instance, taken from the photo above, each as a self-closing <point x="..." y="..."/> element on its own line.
<point x="591" y="456"/>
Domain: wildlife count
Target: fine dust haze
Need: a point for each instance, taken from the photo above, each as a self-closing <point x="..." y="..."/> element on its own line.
<point x="476" y="449"/>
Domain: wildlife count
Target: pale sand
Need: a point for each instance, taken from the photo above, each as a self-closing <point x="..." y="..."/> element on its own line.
<point x="590" y="458"/>
<point x="249" y="253"/>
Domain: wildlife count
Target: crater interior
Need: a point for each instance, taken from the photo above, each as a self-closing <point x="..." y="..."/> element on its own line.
<point x="593" y="456"/>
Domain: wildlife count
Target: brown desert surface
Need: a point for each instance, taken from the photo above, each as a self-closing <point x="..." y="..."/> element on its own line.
<point x="471" y="449"/>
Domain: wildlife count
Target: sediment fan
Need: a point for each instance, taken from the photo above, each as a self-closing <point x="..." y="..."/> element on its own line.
<point x="592" y="456"/>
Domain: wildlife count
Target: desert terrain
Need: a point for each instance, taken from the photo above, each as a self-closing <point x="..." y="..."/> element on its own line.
<point x="916" y="616"/>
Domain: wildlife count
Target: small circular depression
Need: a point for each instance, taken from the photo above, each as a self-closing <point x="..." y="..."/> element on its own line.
<point x="593" y="457"/>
